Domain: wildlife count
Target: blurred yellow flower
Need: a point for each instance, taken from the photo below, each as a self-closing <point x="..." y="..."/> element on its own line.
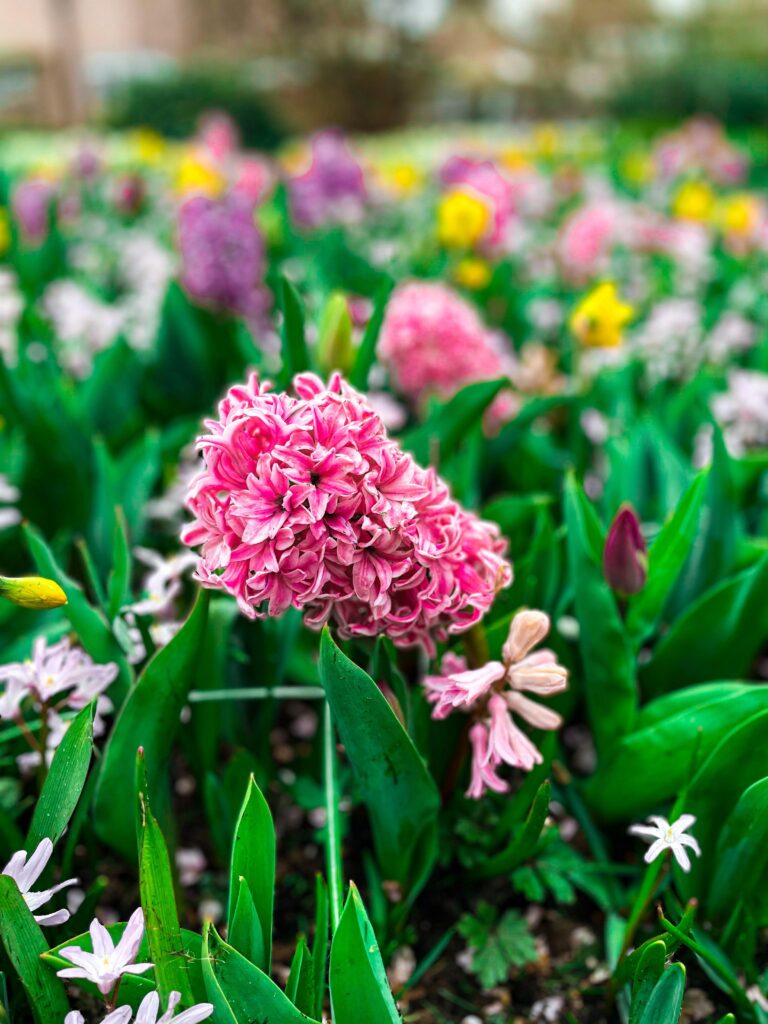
<point x="637" y="167"/>
<point x="547" y="140"/>
<point x="462" y="219"/>
<point x="148" y="145"/>
<point x="403" y="177"/>
<point x="739" y="214"/>
<point x="599" y="318"/>
<point x="472" y="273"/>
<point x="196" y="176"/>
<point x="514" y="158"/>
<point x="34" y="592"/>
<point x="694" y="200"/>
<point x="5" y="231"/>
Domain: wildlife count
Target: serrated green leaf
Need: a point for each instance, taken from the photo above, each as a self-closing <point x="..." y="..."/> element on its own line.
<point x="64" y="782"/>
<point x="253" y="858"/>
<point x="24" y="943"/>
<point x="401" y="796"/>
<point x="149" y="719"/>
<point x="359" y="987"/>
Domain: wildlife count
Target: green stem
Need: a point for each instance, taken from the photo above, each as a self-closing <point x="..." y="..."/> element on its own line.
<point x="258" y="693"/>
<point x="642" y="900"/>
<point x="332" y="822"/>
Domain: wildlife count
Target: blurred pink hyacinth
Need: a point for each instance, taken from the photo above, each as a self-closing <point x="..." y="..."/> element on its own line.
<point x="305" y="502"/>
<point x="495" y="693"/>
<point x="484" y="179"/>
<point x="586" y="238"/>
<point x="433" y="342"/>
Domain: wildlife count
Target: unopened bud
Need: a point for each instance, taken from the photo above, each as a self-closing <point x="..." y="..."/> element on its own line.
<point x="335" y="350"/>
<point x="32" y="592"/>
<point x="625" y="558"/>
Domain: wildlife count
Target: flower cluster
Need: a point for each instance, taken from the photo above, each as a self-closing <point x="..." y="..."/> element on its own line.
<point x="433" y="342"/>
<point x="494" y="693"/>
<point x="56" y="677"/>
<point x="305" y="502"/>
<point x="222" y="254"/>
<point x="483" y="182"/>
<point x="332" y="188"/>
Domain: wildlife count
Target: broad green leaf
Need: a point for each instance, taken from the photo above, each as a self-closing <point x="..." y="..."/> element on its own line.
<point x="607" y="656"/>
<point x="449" y="422"/>
<point x="665" y="562"/>
<point x="366" y="353"/>
<point x="742" y="855"/>
<point x="717" y="636"/>
<point x="91" y="627"/>
<point x="522" y="848"/>
<point x="64" y="782"/>
<point x="149" y="719"/>
<point x="158" y="899"/>
<point x="653" y="762"/>
<point x="735" y="763"/>
<point x="24" y="944"/>
<point x="248" y="992"/>
<point x="401" y="796"/>
<point x="222" y="1009"/>
<point x="666" y="1000"/>
<point x="244" y="931"/>
<point x="253" y="859"/>
<point x="300" y="987"/>
<point x="294" y="345"/>
<point x="650" y="968"/>
<point x="358" y="981"/>
<point x="119" y="582"/>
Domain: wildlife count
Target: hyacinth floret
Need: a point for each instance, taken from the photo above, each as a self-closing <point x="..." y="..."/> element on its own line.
<point x="305" y="502"/>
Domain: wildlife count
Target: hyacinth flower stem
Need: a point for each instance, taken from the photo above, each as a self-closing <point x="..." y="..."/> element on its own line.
<point x="332" y="821"/>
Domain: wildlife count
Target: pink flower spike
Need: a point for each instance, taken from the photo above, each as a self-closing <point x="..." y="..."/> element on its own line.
<point x="506" y="742"/>
<point x="483" y="771"/>
<point x="461" y="689"/>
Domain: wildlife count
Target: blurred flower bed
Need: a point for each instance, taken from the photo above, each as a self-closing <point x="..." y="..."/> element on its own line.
<point x="478" y="391"/>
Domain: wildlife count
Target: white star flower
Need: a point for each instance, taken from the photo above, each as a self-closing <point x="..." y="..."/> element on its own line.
<point x="665" y="836"/>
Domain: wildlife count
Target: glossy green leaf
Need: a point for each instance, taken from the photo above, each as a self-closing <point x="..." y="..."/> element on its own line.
<point x="401" y="796"/>
<point x="666" y="1000"/>
<point x="358" y="981"/>
<point x="119" y="582"/>
<point x="242" y="989"/>
<point x="666" y="559"/>
<point x="649" y="969"/>
<point x="449" y="422"/>
<point x="64" y="782"/>
<point x="366" y="353"/>
<point x="521" y="848"/>
<point x="149" y="719"/>
<point x="253" y="859"/>
<point x="320" y="947"/>
<point x="607" y="656"/>
<point x="716" y="637"/>
<point x="244" y="930"/>
<point x="300" y="987"/>
<point x="741" y="860"/>
<point x="652" y="763"/>
<point x="294" y="345"/>
<point x="24" y="943"/>
<point x="161" y="918"/>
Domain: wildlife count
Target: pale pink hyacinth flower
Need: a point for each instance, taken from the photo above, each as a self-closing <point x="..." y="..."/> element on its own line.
<point x="60" y="673"/>
<point x="148" y="1010"/>
<point x="305" y="502"/>
<point x="495" y="693"/>
<point x="26" y="871"/>
<point x="433" y="342"/>
<point x="106" y="965"/>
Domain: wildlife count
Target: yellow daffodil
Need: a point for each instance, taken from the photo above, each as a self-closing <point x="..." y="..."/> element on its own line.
<point x="598" y="320"/>
<point x="472" y="273"/>
<point x="34" y="592"/>
<point x="403" y="178"/>
<point x="694" y="200"/>
<point x="149" y="146"/>
<point x="462" y="219"/>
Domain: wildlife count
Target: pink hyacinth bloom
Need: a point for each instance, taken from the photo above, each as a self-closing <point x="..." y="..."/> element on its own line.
<point x="485" y="179"/>
<point x="461" y="689"/>
<point x="586" y="239"/>
<point x="305" y="502"/>
<point x="483" y="768"/>
<point x="433" y="342"/>
<point x="506" y="742"/>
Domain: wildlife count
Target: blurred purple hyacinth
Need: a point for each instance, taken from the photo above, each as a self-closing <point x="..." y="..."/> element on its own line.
<point x="333" y="187"/>
<point x="222" y="254"/>
<point x="31" y="206"/>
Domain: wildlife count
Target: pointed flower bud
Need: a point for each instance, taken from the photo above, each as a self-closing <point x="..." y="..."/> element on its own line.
<point x="625" y="558"/>
<point x="335" y="350"/>
<point x="32" y="592"/>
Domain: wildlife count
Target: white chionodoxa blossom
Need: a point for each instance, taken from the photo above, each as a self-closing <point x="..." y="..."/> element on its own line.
<point x="26" y="871"/>
<point x="148" y="1011"/>
<point x="663" y="835"/>
<point x="106" y="965"/>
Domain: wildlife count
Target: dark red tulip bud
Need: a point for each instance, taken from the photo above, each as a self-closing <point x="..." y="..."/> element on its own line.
<point x="625" y="558"/>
